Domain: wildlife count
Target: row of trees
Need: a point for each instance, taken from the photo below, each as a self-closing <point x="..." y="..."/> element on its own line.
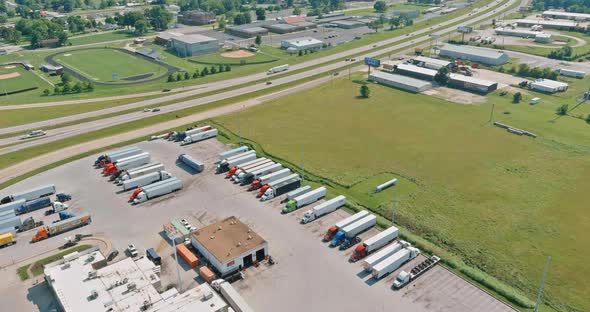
<point x="69" y="86"/>
<point x="564" y="53"/>
<point x="41" y="29"/>
<point x="578" y="6"/>
<point x="156" y="17"/>
<point x="395" y="22"/>
<point x="525" y="70"/>
<point x="202" y="73"/>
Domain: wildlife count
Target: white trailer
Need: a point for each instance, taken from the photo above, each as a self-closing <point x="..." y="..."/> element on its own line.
<point x="234" y="299"/>
<point x="375" y="242"/>
<point x="271" y="177"/>
<point x="571" y="73"/>
<point x="11" y="223"/>
<point x="133" y="162"/>
<point x="11" y="206"/>
<point x="295" y="193"/>
<point x="145" y="180"/>
<point x="305" y="199"/>
<point x="139" y="171"/>
<point x="233" y="152"/>
<point x="352" y="219"/>
<point x="108" y="155"/>
<point x="248" y="177"/>
<point x="124" y="154"/>
<point x="31" y="194"/>
<point x="247" y="167"/>
<point x="385" y="185"/>
<point x="278" y="69"/>
<point x="196" y="137"/>
<point x="197" y="130"/>
<point x="191" y="162"/>
<point x="281" y="186"/>
<point x="394" y="261"/>
<point x="382" y="254"/>
<point x="158" y="189"/>
<point x="349" y="232"/>
<point x="323" y="208"/>
<point x="233" y="161"/>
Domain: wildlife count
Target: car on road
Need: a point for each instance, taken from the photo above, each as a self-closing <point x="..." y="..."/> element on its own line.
<point x="147" y="110"/>
<point x="155" y="110"/>
<point x="132" y="251"/>
<point x="166" y="90"/>
<point x="33" y="134"/>
<point x="112" y="255"/>
<point x="269" y="82"/>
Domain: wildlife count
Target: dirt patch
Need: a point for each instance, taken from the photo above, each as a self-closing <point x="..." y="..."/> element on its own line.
<point x="238" y="54"/>
<point x="10" y="75"/>
<point x="9" y="67"/>
<point x="456" y="96"/>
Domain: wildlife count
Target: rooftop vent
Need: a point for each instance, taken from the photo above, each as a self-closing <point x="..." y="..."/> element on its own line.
<point x="212" y="237"/>
<point x="239" y="244"/>
<point x="208" y="295"/>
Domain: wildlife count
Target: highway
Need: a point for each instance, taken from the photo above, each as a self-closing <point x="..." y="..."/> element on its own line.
<point x="45" y="159"/>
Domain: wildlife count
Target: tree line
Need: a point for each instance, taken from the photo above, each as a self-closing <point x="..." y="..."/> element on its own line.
<point x="577" y="6"/>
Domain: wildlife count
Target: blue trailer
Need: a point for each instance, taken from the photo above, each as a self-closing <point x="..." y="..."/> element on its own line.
<point x="33" y="205"/>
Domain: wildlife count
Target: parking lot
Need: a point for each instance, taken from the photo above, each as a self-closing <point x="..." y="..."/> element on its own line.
<point x="308" y="273"/>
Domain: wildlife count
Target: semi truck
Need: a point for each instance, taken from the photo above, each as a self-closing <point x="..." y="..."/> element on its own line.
<point x="394" y="261"/>
<point x="278" y="69"/>
<point x="62" y="197"/>
<point x="145" y="180"/>
<point x="323" y="208"/>
<point x="262" y="191"/>
<point x="56" y="207"/>
<point x="191" y="162"/>
<point x="148" y="192"/>
<point x="344" y="222"/>
<point x="382" y="254"/>
<point x="305" y="199"/>
<point x="139" y="171"/>
<point x="233" y="171"/>
<point x="196" y="137"/>
<point x="233" y="152"/>
<point x="264" y="180"/>
<point x="241" y="172"/>
<point x="295" y="193"/>
<point x="11" y="223"/>
<point x="6" y="239"/>
<point x="228" y="292"/>
<point x="180" y="136"/>
<point x="281" y="186"/>
<point x="31" y="194"/>
<point x="126" y="163"/>
<point x="65" y="215"/>
<point x="61" y="226"/>
<point x="403" y="278"/>
<point x="29" y="224"/>
<point x="260" y="171"/>
<point x="374" y="243"/>
<point x="350" y="232"/>
<point x="12" y="205"/>
<point x="120" y="153"/>
<point x="233" y="161"/>
<point x="33" y="205"/>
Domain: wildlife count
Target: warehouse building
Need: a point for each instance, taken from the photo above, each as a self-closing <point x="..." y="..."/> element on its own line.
<point x="547" y="24"/>
<point x="431" y="63"/>
<point x="400" y="82"/>
<point x="229" y="245"/>
<point x="348" y="24"/>
<point x="190" y="45"/>
<point x="195" y="18"/>
<point x="52" y="70"/>
<point x="522" y="33"/>
<point x="302" y="44"/>
<point x="415" y="71"/>
<point x="82" y="281"/>
<point x="471" y="84"/>
<point x="548" y="86"/>
<point x="164" y="38"/>
<point x="332" y="19"/>
<point x="474" y="54"/>
<point x="248" y="30"/>
<point x="567" y="15"/>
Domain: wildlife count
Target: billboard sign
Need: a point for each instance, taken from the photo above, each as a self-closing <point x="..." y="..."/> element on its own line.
<point x="372" y="62"/>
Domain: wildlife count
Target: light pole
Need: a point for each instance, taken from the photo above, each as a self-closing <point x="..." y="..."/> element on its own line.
<point x="302" y="166"/>
<point x="393" y="203"/>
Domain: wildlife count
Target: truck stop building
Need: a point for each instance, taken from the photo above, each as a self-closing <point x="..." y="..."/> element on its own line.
<point x="304" y="43"/>
<point x="229" y="245"/>
<point x="474" y="54"/>
<point x="190" y="45"/>
<point x="522" y="33"/>
<point x="431" y="63"/>
<point x="553" y="24"/>
<point x="415" y="71"/>
<point x="82" y="281"/>
<point x="566" y="15"/>
<point x="400" y="82"/>
<point x="471" y="84"/>
<point x="548" y="86"/>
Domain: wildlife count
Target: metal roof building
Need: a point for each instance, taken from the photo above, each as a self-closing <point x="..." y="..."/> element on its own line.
<point x="189" y="45"/>
<point x="400" y="82"/>
<point x="472" y="84"/>
<point x="474" y="54"/>
<point x="304" y="43"/>
<point x="555" y="24"/>
<point x="229" y="245"/>
<point x="429" y="62"/>
<point x="82" y="281"/>
<point x="567" y="15"/>
<point x="348" y="24"/>
<point x="415" y="71"/>
<point x="543" y="38"/>
<point x="523" y="33"/>
<point x="249" y="30"/>
<point x="548" y="86"/>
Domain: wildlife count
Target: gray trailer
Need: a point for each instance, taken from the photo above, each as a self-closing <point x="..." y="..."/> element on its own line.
<point x="232" y="152"/>
<point x="231" y="296"/>
<point x="157" y="189"/>
<point x="139" y="171"/>
<point x="31" y="194"/>
<point x="191" y="162"/>
<point x="11" y="223"/>
<point x="298" y="192"/>
<point x="145" y="180"/>
<point x="12" y="205"/>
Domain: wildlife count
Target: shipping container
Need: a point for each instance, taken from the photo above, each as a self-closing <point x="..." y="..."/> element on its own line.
<point x="206" y="274"/>
<point x="31" y="194"/>
<point x="191" y="162"/>
<point x="305" y="199"/>
<point x="323" y="208"/>
<point x="187" y="256"/>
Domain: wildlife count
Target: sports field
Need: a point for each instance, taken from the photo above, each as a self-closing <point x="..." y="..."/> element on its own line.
<point x="101" y="65"/>
<point x="221" y="58"/>
<point x="501" y="202"/>
<point x="15" y="77"/>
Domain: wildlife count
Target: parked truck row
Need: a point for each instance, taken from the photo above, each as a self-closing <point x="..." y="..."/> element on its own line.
<point x="31" y="200"/>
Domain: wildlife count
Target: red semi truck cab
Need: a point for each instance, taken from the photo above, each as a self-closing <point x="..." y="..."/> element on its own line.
<point x="262" y="190"/>
<point x="254" y="186"/>
<point x="330" y="233"/>
<point x="135" y="193"/>
<point x="231" y="172"/>
<point x="359" y="252"/>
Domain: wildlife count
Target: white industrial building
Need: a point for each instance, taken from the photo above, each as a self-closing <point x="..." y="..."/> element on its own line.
<point x="474" y="54"/>
<point x="304" y="43"/>
<point x="523" y="33"/>
<point x="471" y="83"/>
<point x="567" y="15"/>
<point x="429" y="62"/>
<point x="82" y="281"/>
<point x="415" y="71"/>
<point x="571" y="73"/>
<point x="190" y="45"/>
<point x="555" y="24"/>
<point x="548" y="86"/>
<point x="229" y="245"/>
<point x="400" y="82"/>
<point x="543" y="38"/>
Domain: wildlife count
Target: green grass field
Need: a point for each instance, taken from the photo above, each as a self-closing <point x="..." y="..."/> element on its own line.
<point x="100" y="64"/>
<point x="103" y="37"/>
<point x="501" y="202"/>
<point x="26" y="79"/>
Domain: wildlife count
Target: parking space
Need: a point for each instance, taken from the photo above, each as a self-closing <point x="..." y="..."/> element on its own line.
<point x="308" y="273"/>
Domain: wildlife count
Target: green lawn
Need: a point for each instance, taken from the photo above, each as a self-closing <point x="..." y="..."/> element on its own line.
<point x="103" y="37"/>
<point x="37" y="267"/>
<point x="501" y="202"/>
<point x="100" y="64"/>
<point x="26" y="79"/>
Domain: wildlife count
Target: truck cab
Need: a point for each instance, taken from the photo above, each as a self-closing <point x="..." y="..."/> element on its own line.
<point x="337" y="240"/>
<point x="308" y="216"/>
<point x="63" y="197"/>
<point x="135" y="193"/>
<point x="40" y="235"/>
<point x="348" y="242"/>
<point x="402" y="279"/>
<point x="359" y="252"/>
<point x="330" y="233"/>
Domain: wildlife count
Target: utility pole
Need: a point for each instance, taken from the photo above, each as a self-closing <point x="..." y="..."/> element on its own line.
<point x="542" y="284"/>
<point x="492" y="113"/>
<point x="393" y="205"/>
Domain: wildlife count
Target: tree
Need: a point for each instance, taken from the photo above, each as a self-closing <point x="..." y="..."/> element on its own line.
<point x="516" y="97"/>
<point x="77" y="88"/>
<point x="178" y="77"/>
<point x="227" y="67"/>
<point x="196" y="75"/>
<point x="242" y="18"/>
<point x="66" y="78"/>
<point x="588" y="119"/>
<point x="290" y="3"/>
<point x="46" y="92"/>
<point x="300" y="53"/>
<point x="66" y="88"/>
<point x="213" y="69"/>
<point x="258" y="40"/>
<point x="171" y="78"/>
<point x="205" y="71"/>
<point x="296" y="11"/>
<point x="365" y="91"/>
<point x="562" y="110"/>
<point x="158" y="17"/>
<point x="260" y="14"/>
<point x="187" y="76"/>
<point x="57" y="89"/>
<point x="89" y="86"/>
<point x="141" y="27"/>
<point x="442" y="76"/>
<point x="376" y="24"/>
<point x="220" y="68"/>
<point x="380" y="6"/>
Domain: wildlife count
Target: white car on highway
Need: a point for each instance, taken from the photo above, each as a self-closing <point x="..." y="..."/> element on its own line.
<point x="33" y="134"/>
